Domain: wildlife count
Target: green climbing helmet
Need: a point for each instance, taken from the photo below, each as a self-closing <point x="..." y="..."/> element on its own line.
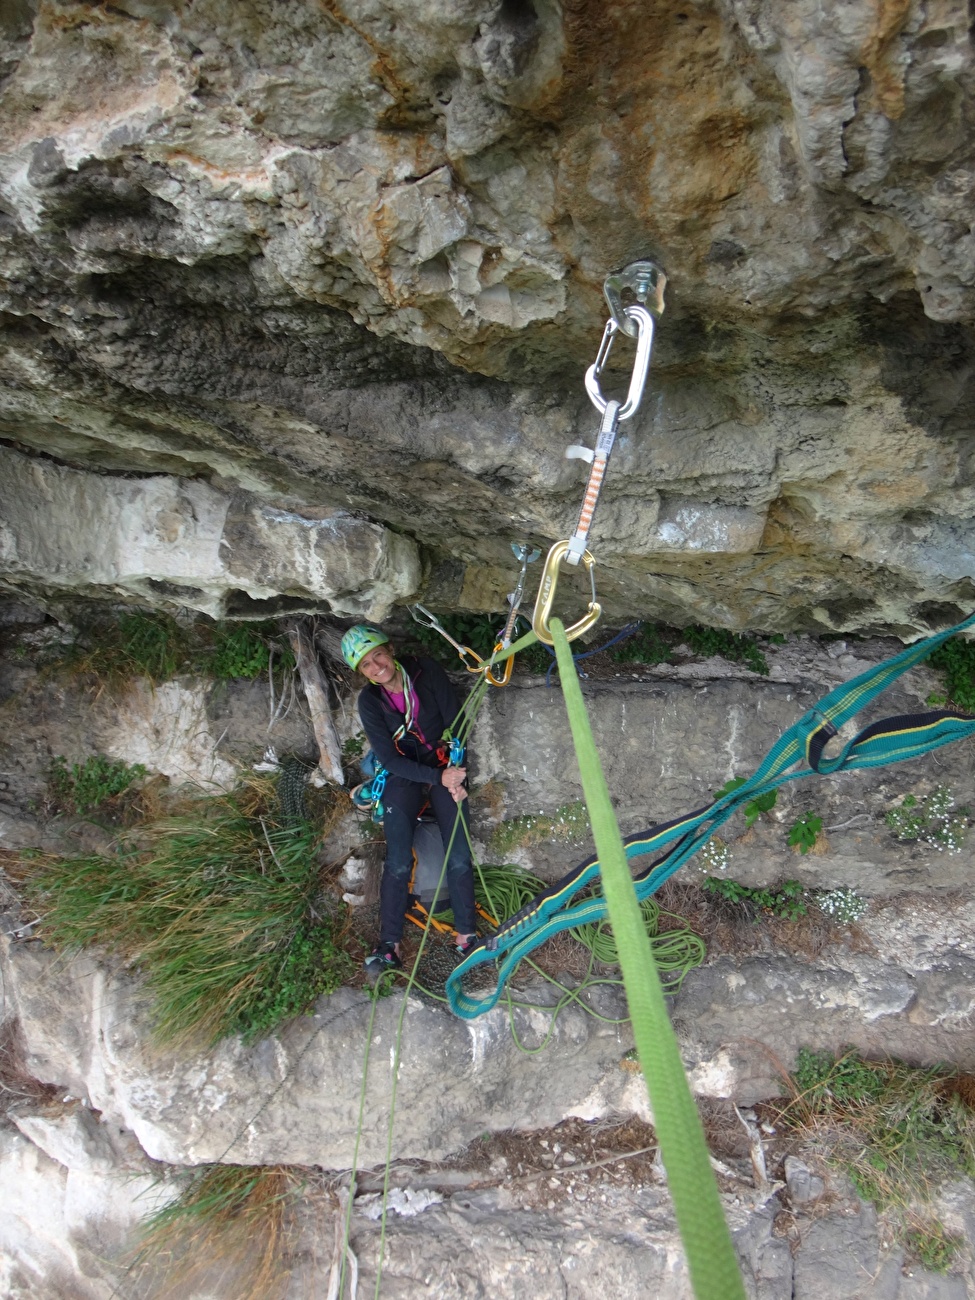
<point x="358" y="641"/>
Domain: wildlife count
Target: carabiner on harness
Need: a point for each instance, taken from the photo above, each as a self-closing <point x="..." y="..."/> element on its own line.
<point x="526" y="555"/>
<point x="423" y="616"/>
<point x="546" y="596"/>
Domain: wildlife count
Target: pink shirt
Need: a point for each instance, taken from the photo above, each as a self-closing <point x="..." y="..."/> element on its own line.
<point x="398" y="700"/>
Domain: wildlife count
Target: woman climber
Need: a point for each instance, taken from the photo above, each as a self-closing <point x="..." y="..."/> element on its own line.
<point x="406" y="709"/>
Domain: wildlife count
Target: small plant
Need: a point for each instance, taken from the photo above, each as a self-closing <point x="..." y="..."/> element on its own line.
<point x="805" y="832"/>
<point x="237" y="650"/>
<point x="763" y="803"/>
<point x="647" y="646"/>
<point x="932" y="820"/>
<point x="84" y="786"/>
<point x="932" y="1245"/>
<point x="843" y="905"/>
<point x="354" y="747"/>
<point x="787" y="900"/>
<point x="956" y="658"/>
<point x="715" y="855"/>
<point x="741" y="649"/>
<point x="569" y="824"/>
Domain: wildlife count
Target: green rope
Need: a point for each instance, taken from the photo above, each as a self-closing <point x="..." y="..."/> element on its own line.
<point x="707" y="1242"/>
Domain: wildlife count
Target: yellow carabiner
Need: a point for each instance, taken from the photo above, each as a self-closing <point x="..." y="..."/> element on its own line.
<point x="506" y="668"/>
<point x="546" y="595"/>
<point x="463" y="651"/>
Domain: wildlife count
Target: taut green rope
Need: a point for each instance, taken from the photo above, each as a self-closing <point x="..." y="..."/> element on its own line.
<point x="711" y="1258"/>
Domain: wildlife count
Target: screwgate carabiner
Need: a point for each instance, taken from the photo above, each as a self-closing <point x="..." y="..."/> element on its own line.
<point x="546" y="595"/>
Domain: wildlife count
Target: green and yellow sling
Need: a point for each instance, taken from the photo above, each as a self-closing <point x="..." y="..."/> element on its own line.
<point x="802" y="748"/>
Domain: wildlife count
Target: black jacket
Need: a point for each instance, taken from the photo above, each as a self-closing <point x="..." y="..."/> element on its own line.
<point x="436" y="710"/>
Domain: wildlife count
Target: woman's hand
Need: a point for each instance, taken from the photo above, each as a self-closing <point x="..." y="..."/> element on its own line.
<point x="452" y="779"/>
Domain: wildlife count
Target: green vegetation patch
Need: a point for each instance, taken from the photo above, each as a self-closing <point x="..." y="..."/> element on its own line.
<point x="478" y="631"/>
<point x="567" y="825"/>
<point x="84" y="786"/>
<point x="788" y="899"/>
<point x="222" y="908"/>
<point x="735" y="646"/>
<point x="956" y="659"/>
<point x="896" y="1130"/>
<point x="155" y="645"/>
<point x="648" y="646"/>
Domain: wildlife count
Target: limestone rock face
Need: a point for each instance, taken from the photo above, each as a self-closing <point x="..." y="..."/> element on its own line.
<point x="351" y="257"/>
<point x="98" y="534"/>
<point x="294" y="1098"/>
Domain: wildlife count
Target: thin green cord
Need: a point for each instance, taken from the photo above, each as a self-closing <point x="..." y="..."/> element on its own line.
<point x="458" y="820"/>
<point x="358" y="1135"/>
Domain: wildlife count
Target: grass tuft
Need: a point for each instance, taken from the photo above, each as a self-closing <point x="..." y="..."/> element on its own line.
<point x="222" y="908"/>
<point x="229" y="1223"/>
<point x="154" y="645"/>
<point x="898" y="1131"/>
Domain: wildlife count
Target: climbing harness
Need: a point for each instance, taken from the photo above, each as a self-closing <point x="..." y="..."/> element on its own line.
<point x="525" y="556"/>
<point x="646" y="282"/>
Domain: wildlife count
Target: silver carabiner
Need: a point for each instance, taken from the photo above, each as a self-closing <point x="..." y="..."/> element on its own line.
<point x="641" y="362"/>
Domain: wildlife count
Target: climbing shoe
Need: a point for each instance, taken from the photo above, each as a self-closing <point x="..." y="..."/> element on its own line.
<point x="467" y="947"/>
<point x="382" y="958"/>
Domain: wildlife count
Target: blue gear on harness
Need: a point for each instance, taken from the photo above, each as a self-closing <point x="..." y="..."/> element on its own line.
<point x="368" y="797"/>
<point x="891" y="740"/>
<point x="456" y="753"/>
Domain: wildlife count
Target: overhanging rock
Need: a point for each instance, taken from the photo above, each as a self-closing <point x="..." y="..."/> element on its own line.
<point x="160" y="538"/>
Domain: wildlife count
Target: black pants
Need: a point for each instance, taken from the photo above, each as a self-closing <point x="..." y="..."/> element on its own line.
<point x="402" y="801"/>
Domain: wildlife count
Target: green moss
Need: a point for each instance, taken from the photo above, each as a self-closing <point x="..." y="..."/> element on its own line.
<point x="737" y="647"/>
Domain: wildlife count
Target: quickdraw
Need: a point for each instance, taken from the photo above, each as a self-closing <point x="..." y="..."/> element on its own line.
<point x="647" y="282"/>
<point x="423" y="616"/>
<point x="471" y="660"/>
<point x="525" y="556"/>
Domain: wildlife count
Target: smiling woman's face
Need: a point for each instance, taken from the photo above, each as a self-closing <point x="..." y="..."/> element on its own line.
<point x="379" y="666"/>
